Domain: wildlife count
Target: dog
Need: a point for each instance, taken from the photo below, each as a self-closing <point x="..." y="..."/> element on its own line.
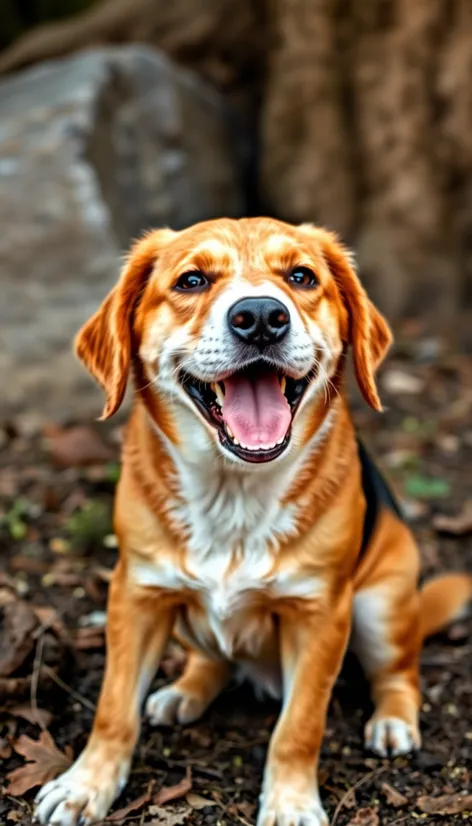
<point x="252" y="525"/>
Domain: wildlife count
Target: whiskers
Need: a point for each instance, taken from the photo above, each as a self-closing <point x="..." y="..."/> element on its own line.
<point x="319" y="369"/>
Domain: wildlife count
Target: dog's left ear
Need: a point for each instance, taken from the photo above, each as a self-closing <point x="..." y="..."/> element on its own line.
<point x="368" y="333"/>
<point x="104" y="342"/>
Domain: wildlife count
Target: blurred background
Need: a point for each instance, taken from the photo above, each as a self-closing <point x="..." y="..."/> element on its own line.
<point x="121" y="115"/>
<point x="116" y="116"/>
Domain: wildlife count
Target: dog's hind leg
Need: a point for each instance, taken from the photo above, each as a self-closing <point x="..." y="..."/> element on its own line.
<point x="387" y="637"/>
<point x="187" y="699"/>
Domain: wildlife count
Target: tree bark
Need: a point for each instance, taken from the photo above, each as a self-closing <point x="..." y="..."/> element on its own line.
<point x="306" y="165"/>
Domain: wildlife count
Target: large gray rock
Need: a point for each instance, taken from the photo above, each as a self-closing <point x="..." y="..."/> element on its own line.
<point x="93" y="149"/>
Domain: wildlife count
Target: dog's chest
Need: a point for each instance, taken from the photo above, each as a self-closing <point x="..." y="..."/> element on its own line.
<point x="223" y="513"/>
<point x="232" y="574"/>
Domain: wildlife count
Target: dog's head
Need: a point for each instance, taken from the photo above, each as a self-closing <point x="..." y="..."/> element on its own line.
<point x="237" y="326"/>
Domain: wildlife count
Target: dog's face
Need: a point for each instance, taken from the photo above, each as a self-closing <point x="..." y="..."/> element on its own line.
<point x="240" y="324"/>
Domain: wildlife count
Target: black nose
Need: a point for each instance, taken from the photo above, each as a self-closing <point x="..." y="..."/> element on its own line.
<point x="259" y="321"/>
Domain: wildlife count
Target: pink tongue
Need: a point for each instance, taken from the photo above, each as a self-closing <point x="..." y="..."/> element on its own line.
<point x="256" y="410"/>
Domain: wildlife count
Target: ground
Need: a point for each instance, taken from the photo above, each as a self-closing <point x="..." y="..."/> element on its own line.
<point x="56" y="548"/>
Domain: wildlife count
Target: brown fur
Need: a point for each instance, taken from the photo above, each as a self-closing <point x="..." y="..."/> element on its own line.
<point x="313" y="633"/>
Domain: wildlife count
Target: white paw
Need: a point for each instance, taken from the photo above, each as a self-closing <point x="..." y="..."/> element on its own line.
<point x="391" y="736"/>
<point x="285" y="807"/>
<point x="170" y="705"/>
<point x="80" y="796"/>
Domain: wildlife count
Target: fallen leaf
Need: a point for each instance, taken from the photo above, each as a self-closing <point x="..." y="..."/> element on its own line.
<point x="76" y="446"/>
<point x="458" y="525"/>
<point x="446" y="804"/>
<point x="15" y="815"/>
<point x="17" y="625"/>
<point x="28" y="565"/>
<point x="180" y="789"/>
<point x="164" y="816"/>
<point x="134" y="806"/>
<point x="5" y="748"/>
<point x="45" y="762"/>
<point x="246" y="809"/>
<point x="89" y="637"/>
<point x="350" y="800"/>
<point x="103" y="574"/>
<point x="46" y="614"/>
<point x="37" y="716"/>
<point x="392" y="796"/>
<point x="196" y="801"/>
<point x="12" y="688"/>
<point x="89" y="642"/>
<point x="423" y="487"/>
<point x="397" y="381"/>
<point x="9" y="729"/>
<point x="365" y="817"/>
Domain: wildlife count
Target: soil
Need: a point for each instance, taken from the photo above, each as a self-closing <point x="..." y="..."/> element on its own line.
<point x="57" y="549"/>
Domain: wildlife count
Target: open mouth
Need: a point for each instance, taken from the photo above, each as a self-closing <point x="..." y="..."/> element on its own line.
<point x="252" y="409"/>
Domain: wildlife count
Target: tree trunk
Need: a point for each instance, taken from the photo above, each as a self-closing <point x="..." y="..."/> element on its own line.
<point x="363" y="110"/>
<point x="306" y="168"/>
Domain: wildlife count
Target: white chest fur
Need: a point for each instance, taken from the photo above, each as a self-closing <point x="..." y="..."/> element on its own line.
<point x="234" y="522"/>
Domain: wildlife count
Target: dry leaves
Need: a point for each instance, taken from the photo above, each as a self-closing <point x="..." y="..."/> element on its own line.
<point x="392" y="796"/>
<point x="365" y="817"/>
<point x="164" y="795"/>
<point x="76" y="446"/>
<point x="163" y="816"/>
<point x="37" y="716"/>
<point x="168" y="793"/>
<point x="350" y="799"/>
<point x="446" y="804"/>
<point x="44" y="762"/>
<point x="196" y="801"/>
<point x="135" y="805"/>
<point x="89" y="637"/>
<point x="9" y="729"/>
<point x="458" y="525"/>
<point x="18" y="624"/>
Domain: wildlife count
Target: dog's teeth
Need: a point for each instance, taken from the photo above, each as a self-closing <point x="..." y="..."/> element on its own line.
<point x="220" y="396"/>
<point x="280" y="440"/>
<point x="229" y="431"/>
<point x="283" y="383"/>
<point x="235" y="441"/>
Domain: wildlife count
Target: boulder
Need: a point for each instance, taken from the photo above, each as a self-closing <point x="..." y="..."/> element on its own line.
<point x="94" y="149"/>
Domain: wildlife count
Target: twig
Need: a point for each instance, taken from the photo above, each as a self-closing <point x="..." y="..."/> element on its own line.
<point x="398" y="820"/>
<point x="75" y="694"/>
<point x="38" y="657"/>
<point x="352" y="789"/>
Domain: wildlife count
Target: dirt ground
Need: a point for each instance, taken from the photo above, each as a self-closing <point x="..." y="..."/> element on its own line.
<point x="57" y="550"/>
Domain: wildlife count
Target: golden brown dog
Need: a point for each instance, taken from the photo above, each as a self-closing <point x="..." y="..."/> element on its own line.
<point x="250" y="521"/>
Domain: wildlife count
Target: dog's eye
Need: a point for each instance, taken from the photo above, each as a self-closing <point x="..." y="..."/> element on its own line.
<point x="303" y="277"/>
<point x="193" y="281"/>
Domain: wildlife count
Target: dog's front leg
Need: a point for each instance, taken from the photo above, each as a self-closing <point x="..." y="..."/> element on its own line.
<point x="139" y="622"/>
<point x="313" y="640"/>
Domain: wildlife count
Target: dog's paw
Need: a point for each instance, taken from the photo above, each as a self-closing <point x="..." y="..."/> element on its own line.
<point x="285" y="807"/>
<point x="391" y="736"/>
<point x="80" y="796"/>
<point x="171" y="705"/>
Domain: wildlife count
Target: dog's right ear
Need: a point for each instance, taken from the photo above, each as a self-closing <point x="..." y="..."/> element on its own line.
<point x="104" y="342"/>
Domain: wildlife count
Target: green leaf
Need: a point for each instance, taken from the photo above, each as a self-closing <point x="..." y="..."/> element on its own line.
<point x="423" y="487"/>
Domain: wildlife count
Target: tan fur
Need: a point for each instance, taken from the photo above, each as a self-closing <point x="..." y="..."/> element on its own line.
<point x="308" y="575"/>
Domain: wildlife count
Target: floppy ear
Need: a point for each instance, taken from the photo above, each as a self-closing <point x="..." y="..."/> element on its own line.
<point x="368" y="332"/>
<point x="104" y="342"/>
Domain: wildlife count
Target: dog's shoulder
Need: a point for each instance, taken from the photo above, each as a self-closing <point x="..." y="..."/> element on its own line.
<point x="378" y="495"/>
